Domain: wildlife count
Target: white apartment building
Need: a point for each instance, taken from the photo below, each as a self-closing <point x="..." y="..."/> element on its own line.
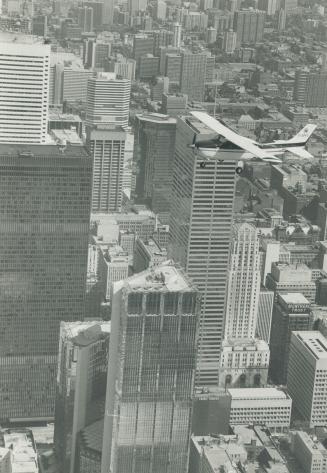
<point x="269" y="406"/>
<point x="24" y="90"/>
<point x="307" y="376"/>
<point x="108" y="100"/>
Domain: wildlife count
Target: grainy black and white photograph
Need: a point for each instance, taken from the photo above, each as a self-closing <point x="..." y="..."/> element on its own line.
<point x="163" y="236"/>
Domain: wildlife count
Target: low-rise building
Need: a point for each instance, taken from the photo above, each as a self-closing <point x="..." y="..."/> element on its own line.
<point x="148" y="254"/>
<point x="266" y="406"/>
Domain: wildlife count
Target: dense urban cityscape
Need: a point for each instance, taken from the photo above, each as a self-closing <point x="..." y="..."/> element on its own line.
<point x="163" y="236"/>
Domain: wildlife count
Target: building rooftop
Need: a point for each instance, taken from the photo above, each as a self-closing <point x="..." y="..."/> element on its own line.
<point x="165" y="277"/>
<point x="85" y="333"/>
<point x="24" y="455"/>
<point x="315" y="342"/>
<point x="156" y="118"/>
<point x="310" y="442"/>
<point x="257" y="393"/>
<point x="21" y="38"/>
<point x="244" y="344"/>
<point x="294" y="298"/>
<point x="57" y="115"/>
<point x="39" y="150"/>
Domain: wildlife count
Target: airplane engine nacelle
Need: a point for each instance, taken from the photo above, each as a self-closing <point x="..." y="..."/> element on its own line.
<point x="239" y="168"/>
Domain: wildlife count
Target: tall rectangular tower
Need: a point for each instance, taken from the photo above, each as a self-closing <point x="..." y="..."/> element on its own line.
<point x="24" y="91"/>
<point x="201" y="220"/>
<point x="107" y="148"/>
<point x="153" y="154"/>
<point x="44" y="223"/>
<point x="151" y="373"/>
<point x="108" y="100"/>
<point x="193" y="74"/>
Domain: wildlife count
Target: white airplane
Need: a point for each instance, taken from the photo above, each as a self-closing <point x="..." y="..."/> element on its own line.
<point x="226" y="145"/>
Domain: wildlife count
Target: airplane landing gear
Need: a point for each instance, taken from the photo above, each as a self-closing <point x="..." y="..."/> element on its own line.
<point x="203" y="165"/>
<point x="239" y="170"/>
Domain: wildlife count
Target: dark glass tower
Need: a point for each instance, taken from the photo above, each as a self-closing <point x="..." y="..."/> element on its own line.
<point x="45" y="193"/>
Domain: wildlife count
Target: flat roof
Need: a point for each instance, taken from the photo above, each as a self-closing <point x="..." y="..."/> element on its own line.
<point x="156" y="118"/>
<point x="40" y="150"/>
<point x="85" y="333"/>
<point x="165" y="277"/>
<point x="314" y="341"/>
<point x="257" y="393"/>
<point x="294" y="298"/>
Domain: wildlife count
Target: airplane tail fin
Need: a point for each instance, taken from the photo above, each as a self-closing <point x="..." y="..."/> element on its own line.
<point x="302" y="137"/>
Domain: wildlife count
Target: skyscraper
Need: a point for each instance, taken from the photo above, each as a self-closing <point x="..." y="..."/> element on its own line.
<point x="201" y="219"/>
<point x="44" y="225"/>
<point x="193" y="74"/>
<point x="108" y="12"/>
<point x="24" y="70"/>
<point x="249" y="26"/>
<point x="153" y="154"/>
<point x="108" y="100"/>
<point x="243" y="283"/>
<point x="107" y="147"/>
<point x="244" y="360"/>
<point x="177" y="37"/>
<point x="81" y="384"/>
<point x="151" y="373"/>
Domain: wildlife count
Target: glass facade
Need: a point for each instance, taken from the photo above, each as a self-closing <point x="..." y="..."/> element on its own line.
<point x="45" y="196"/>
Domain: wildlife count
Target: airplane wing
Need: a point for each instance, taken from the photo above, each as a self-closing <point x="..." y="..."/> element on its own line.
<point x="244" y="143"/>
<point x="301" y="152"/>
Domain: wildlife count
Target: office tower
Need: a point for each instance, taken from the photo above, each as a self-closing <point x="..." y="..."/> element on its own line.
<point x="108" y="12"/>
<point x="164" y="50"/>
<point x="309" y="452"/>
<point x="173" y="104"/>
<point x="142" y="45"/>
<point x="107" y="147"/>
<point x="270" y="250"/>
<point x="160" y="87"/>
<point x="162" y="38"/>
<point x="89" y="448"/>
<point x="136" y="6"/>
<point x="206" y="4"/>
<point x="172" y="68"/>
<point x="147" y="254"/>
<point x="85" y="18"/>
<point x="281" y="25"/>
<point x="316" y="91"/>
<point x="121" y="66"/>
<point x="229" y="44"/>
<point x="269" y="6"/>
<point x="177" y="35"/>
<point x="81" y="385"/>
<point x="97" y="7"/>
<point x="154" y="149"/>
<point x="193" y="73"/>
<point x="195" y="20"/>
<point x="148" y="67"/>
<point x="300" y="85"/>
<point x="291" y="312"/>
<point x="243" y="283"/>
<point x="265" y="309"/>
<point x="108" y="100"/>
<point x="160" y="10"/>
<point x="307" y="376"/>
<point x="113" y="266"/>
<point x="40" y="25"/>
<point x="200" y="225"/>
<point x="44" y="225"/>
<point x="286" y="278"/>
<point x="211" y="35"/>
<point x="244" y="360"/>
<point x="290" y="6"/>
<point x="249" y="26"/>
<point x="96" y="54"/>
<point x="151" y="370"/>
<point x="24" y="69"/>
